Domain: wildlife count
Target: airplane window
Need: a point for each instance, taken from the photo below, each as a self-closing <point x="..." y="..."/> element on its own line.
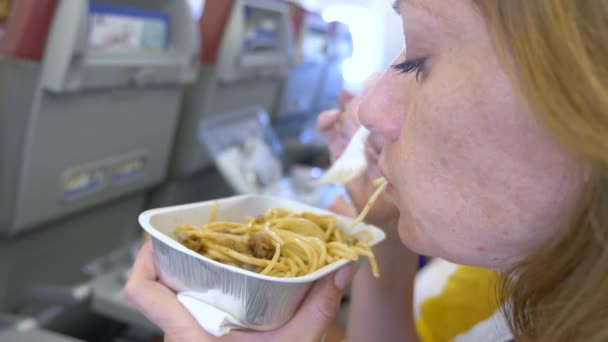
<point x="197" y="7"/>
<point x="366" y="46"/>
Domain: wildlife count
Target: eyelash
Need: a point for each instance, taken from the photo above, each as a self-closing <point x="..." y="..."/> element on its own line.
<point x="396" y="6"/>
<point x="408" y="67"/>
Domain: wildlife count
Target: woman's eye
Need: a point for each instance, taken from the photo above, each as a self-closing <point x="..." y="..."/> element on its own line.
<point x="410" y="66"/>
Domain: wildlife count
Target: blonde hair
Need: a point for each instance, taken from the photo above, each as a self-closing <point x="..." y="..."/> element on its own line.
<point x="556" y="52"/>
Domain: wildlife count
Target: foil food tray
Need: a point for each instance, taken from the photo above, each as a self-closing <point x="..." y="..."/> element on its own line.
<point x="259" y="302"/>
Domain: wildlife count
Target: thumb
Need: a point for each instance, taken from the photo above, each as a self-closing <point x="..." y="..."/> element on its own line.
<point x="343" y="207"/>
<point x="327" y="119"/>
<point x="320" y="307"/>
<point x="344" y="98"/>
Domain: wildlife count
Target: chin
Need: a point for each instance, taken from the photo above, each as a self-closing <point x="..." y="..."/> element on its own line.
<point x="410" y="239"/>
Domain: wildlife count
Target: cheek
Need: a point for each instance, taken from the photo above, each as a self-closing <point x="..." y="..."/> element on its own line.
<point x="475" y="174"/>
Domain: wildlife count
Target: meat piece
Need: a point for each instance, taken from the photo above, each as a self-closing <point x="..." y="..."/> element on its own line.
<point x="238" y="245"/>
<point x="259" y="219"/>
<point x="261" y="246"/>
<point x="193" y="244"/>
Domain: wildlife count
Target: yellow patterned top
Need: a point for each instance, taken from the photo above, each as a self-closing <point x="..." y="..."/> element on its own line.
<point x="458" y="303"/>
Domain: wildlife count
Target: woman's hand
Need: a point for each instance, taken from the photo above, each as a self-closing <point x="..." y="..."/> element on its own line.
<point x="160" y="305"/>
<point x="338" y="127"/>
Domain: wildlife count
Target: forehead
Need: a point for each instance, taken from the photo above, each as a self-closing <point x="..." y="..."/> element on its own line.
<point x="437" y="9"/>
<point x="447" y="12"/>
<point x="426" y="5"/>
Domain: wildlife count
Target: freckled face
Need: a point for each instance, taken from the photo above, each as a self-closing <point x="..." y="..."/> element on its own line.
<point x="476" y="179"/>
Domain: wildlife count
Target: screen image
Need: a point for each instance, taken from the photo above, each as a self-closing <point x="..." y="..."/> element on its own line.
<point x="120" y="30"/>
<point x="262" y="29"/>
<point x="314" y="43"/>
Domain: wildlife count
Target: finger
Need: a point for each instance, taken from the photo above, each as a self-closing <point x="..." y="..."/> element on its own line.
<point x="154" y="300"/>
<point x="320" y="308"/>
<point x="144" y="268"/>
<point x="345" y="98"/>
<point x="329" y="125"/>
<point x="327" y="119"/>
<point x="342" y="207"/>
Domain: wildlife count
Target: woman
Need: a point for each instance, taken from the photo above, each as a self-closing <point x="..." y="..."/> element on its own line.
<point x="493" y="135"/>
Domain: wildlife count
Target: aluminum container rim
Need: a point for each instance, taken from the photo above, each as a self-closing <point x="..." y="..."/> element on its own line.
<point x="146" y="216"/>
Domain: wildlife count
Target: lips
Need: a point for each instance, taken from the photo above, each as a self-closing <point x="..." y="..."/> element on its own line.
<point x="374" y="146"/>
<point x="375" y="149"/>
<point x="383" y="170"/>
<point x="373" y="155"/>
<point x="376" y="142"/>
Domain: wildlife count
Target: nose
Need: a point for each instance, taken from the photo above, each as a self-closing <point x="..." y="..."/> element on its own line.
<point x="384" y="105"/>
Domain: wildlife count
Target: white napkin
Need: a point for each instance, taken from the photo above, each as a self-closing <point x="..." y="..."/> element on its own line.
<point x="351" y="163"/>
<point x="213" y="320"/>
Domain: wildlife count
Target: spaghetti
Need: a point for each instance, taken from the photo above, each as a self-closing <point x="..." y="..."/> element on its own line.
<point x="280" y="243"/>
<point x="381" y="184"/>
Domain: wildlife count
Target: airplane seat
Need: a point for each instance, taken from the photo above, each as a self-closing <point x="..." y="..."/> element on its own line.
<point x="5" y="7"/>
<point x="90" y="94"/>
<point x="16" y="16"/>
<point x="244" y="64"/>
<point x="311" y="46"/>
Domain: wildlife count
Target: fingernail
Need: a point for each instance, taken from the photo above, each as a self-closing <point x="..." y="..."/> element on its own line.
<point x="327" y="119"/>
<point x="344" y="277"/>
<point x="331" y="115"/>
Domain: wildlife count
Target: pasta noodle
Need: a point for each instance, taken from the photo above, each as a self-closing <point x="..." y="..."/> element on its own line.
<point x="280" y="242"/>
<point x="381" y="183"/>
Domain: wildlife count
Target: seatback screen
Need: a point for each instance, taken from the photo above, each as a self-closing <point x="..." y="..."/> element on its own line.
<point x="122" y="30"/>
<point x="314" y="44"/>
<point x="262" y="30"/>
